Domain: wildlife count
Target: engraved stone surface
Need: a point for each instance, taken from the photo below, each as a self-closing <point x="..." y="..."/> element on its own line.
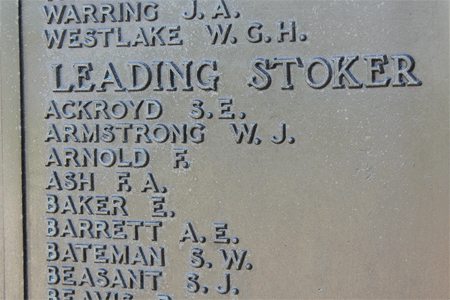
<point x="231" y="149"/>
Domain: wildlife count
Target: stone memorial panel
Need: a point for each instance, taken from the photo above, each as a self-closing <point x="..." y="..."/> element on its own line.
<point x="230" y="149"/>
